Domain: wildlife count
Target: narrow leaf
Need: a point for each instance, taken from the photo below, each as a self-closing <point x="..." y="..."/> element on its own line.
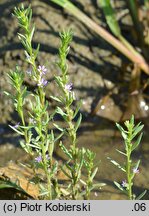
<point x="123" y="132"/>
<point x="136" y="168"/>
<point x="60" y="111"/>
<point x="56" y="99"/>
<point x="121" y="152"/>
<point x="32" y="33"/>
<point x="77" y="109"/>
<point x="65" y="150"/>
<point x="116" y="164"/>
<point x="99" y="185"/>
<point x="58" y="137"/>
<point x="19" y="132"/>
<point x="141" y="195"/>
<point x="135" y="145"/>
<point x="137" y="130"/>
<point x="66" y="173"/>
<point x="120" y="187"/>
<point x="58" y="127"/>
<point x="78" y="122"/>
<point x="35" y="146"/>
<point x="110" y="17"/>
<point x="94" y="173"/>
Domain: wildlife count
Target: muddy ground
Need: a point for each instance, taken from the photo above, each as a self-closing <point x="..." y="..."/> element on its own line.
<point x="94" y="67"/>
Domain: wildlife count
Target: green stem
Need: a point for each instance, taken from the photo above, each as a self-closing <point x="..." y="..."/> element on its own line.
<point x="72" y="134"/>
<point x="129" y="179"/>
<point x="129" y="176"/>
<point x="45" y="163"/>
<point x="47" y="174"/>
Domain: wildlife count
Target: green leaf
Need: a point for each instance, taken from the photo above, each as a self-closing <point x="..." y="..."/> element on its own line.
<point x="132" y="120"/>
<point x="98" y="185"/>
<point x="58" y="127"/>
<point x="135" y="167"/>
<point x="21" y="36"/>
<point x="51" y="143"/>
<point x="26" y="127"/>
<point x="81" y="157"/>
<point x="26" y="147"/>
<point x="136" y="126"/>
<point x="22" y="143"/>
<point x="136" y="144"/>
<point x="9" y="184"/>
<point x="61" y="2"/>
<point x="65" y="150"/>
<point x="32" y="33"/>
<point x="59" y="82"/>
<point x="25" y="93"/>
<point x="64" y="171"/>
<point x="116" y="164"/>
<point x="110" y="17"/>
<point x="78" y="122"/>
<point x="121" y="152"/>
<point x="54" y="169"/>
<point x="60" y="111"/>
<point x="56" y="99"/>
<point x="94" y="173"/>
<point x="141" y="195"/>
<point x="69" y="167"/>
<point x="58" y="137"/>
<point x="6" y="185"/>
<point x="36" y="146"/>
<point x="77" y="109"/>
<point x="137" y="130"/>
<point x="120" y="187"/>
<point x="36" y="51"/>
<point x="19" y="132"/>
<point x="8" y="94"/>
<point x="123" y="132"/>
<point x="44" y="193"/>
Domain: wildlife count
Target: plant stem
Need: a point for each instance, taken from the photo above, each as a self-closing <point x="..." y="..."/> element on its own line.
<point x="72" y="135"/>
<point x="129" y="176"/>
<point x="47" y="173"/>
<point x="128" y="150"/>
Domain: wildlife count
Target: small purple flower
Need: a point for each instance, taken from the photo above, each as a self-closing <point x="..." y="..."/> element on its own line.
<point x="42" y="69"/>
<point x="68" y="87"/>
<point x="124" y="183"/>
<point x="135" y="170"/>
<point x="42" y="82"/>
<point x="38" y="159"/>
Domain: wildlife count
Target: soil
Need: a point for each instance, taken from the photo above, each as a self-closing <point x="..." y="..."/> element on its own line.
<point x="95" y="69"/>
